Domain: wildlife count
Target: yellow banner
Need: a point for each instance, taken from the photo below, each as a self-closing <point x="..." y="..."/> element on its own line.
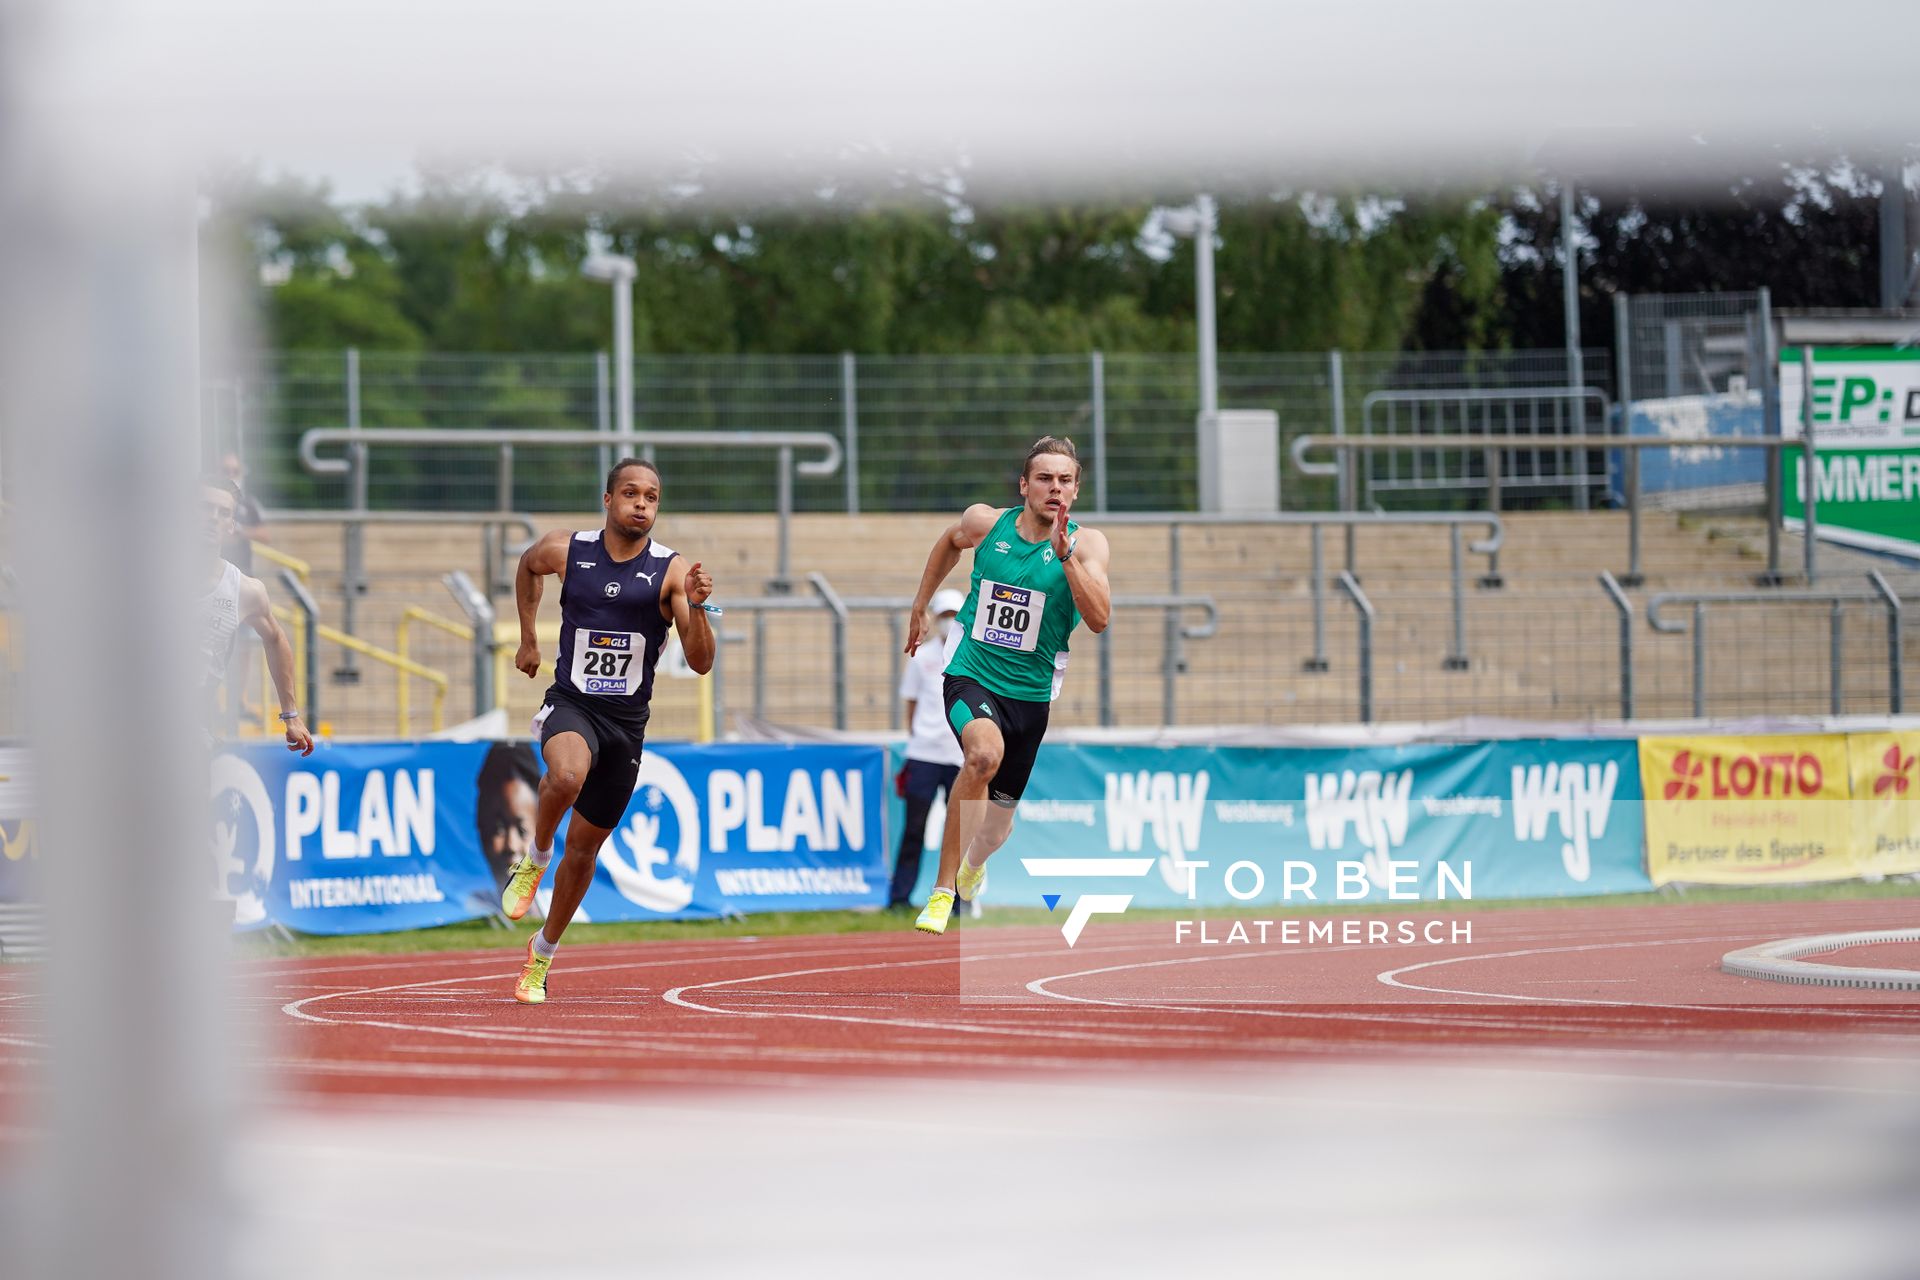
<point x="1749" y="810"/>
<point x="1886" y="801"/>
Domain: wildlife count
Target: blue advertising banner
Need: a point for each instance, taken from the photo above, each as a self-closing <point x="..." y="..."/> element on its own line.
<point x="740" y="828"/>
<point x="352" y="839"/>
<point x="1694" y="423"/>
<point x="373" y="837"/>
<point x="1527" y="818"/>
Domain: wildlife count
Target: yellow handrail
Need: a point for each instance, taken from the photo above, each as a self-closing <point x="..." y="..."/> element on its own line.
<point x="399" y="662"/>
<point x="703" y="729"/>
<point x="301" y="569"/>
<point x="506" y="643"/>
<point x="401" y="643"/>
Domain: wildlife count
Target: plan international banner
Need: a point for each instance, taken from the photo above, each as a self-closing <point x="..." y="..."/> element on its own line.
<point x="376" y="837"/>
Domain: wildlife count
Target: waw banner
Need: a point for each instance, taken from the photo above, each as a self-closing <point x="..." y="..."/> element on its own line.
<point x="1374" y="824"/>
<point x="1781" y="809"/>
<point x="1866" y="435"/>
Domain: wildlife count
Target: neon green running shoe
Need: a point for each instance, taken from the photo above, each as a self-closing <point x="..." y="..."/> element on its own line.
<point x="532" y="987"/>
<point x="939" y="909"/>
<point x="971" y="882"/>
<point x="523" y="878"/>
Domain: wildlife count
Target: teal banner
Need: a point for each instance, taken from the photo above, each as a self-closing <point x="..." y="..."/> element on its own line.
<point x="1509" y="819"/>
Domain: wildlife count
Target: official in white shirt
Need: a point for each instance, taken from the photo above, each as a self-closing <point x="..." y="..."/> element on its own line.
<point x="933" y="753"/>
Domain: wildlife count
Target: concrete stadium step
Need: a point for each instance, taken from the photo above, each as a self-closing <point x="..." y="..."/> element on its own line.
<point x="1542" y="645"/>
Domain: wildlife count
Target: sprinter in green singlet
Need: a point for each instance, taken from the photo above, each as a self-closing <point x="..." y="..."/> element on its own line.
<point x="1035" y="575"/>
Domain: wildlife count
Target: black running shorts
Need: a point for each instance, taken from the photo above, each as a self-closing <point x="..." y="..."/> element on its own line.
<point x="1022" y="725"/>
<point x="615" y="747"/>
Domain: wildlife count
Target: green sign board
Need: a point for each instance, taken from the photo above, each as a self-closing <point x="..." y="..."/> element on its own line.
<point x="1866" y="435"/>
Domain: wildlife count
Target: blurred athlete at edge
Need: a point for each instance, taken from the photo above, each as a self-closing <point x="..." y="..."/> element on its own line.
<point x="233" y="600"/>
<point x="618" y="591"/>
<point x="1036" y="574"/>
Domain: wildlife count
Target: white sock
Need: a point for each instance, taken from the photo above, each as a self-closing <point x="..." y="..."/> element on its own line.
<point x="543" y="948"/>
<point x="541" y="857"/>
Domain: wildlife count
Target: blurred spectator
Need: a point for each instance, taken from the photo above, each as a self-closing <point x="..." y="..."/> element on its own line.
<point x="248" y="524"/>
<point x="238" y="551"/>
<point x="933" y="753"/>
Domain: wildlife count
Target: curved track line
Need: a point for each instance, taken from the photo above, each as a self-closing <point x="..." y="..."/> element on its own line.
<point x="1391" y="978"/>
<point x="678" y="996"/>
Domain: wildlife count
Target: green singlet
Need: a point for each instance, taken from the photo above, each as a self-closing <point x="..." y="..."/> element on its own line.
<point x="1018" y="615"/>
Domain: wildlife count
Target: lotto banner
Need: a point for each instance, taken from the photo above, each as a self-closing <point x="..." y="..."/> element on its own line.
<point x="375" y="837"/>
<point x="1749" y="810"/>
<point x="1886" y="801"/>
<point x="1506" y="819"/>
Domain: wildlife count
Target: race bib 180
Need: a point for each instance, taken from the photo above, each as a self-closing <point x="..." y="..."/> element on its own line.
<point x="1008" y="617"/>
<point x="607" y="662"/>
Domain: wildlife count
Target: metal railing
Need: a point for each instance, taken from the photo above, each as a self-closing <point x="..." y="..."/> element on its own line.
<point x="1834" y="600"/>
<point x="1489" y="412"/>
<point x="841" y="608"/>
<point x="1624" y="607"/>
<point x="1630" y="446"/>
<point x="360" y="440"/>
<point x="1351" y="586"/>
<point x="273" y="555"/>
<point x="495" y="551"/>
<point x="1318" y="521"/>
<point x="312" y="631"/>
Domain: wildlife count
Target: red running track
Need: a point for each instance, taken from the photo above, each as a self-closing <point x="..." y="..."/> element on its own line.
<point x="1608" y="991"/>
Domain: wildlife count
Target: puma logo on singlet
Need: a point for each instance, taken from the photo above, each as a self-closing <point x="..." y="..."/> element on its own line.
<point x="648" y="576"/>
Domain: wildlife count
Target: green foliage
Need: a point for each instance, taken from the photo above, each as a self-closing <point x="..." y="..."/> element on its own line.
<point x="458" y="266"/>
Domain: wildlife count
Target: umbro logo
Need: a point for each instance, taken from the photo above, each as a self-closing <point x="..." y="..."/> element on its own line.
<point x="1002" y="547"/>
<point x="648" y="576"/>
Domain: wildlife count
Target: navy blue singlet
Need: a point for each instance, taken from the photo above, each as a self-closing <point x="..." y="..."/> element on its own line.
<point x="611" y="628"/>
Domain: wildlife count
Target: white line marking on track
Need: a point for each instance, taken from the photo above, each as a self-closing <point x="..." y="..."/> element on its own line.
<point x="1391" y="978"/>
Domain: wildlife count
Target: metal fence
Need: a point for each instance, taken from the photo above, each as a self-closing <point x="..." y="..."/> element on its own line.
<point x="921" y="433"/>
<point x="1692" y="344"/>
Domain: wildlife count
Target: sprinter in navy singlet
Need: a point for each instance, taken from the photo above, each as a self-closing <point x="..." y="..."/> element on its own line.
<point x="619" y="589"/>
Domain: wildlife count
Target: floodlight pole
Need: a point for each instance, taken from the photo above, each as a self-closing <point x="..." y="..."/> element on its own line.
<point x="1203" y="309"/>
<point x="619" y="272"/>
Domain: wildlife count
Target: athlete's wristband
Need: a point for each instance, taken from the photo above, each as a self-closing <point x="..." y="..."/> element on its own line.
<point x="1071" y="544"/>
<point x="289" y="715"/>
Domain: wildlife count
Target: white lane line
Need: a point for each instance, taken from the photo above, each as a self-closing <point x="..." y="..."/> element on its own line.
<point x="1391" y="978"/>
<point x="678" y="996"/>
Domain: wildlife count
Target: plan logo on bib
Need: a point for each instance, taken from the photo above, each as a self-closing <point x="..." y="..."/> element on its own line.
<point x="654" y="858"/>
